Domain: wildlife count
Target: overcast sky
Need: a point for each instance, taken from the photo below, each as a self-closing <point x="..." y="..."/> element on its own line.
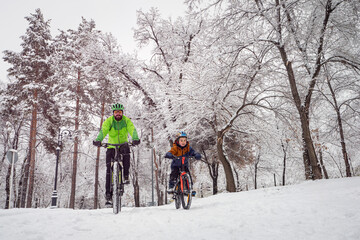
<point x="115" y="16"/>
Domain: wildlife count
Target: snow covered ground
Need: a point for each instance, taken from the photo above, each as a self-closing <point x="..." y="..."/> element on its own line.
<point x="325" y="209"/>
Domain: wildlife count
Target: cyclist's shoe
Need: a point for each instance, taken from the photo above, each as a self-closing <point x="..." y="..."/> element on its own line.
<point x="126" y="180"/>
<point x="171" y="190"/>
<point x="108" y="196"/>
<point x="193" y="193"/>
<point x="108" y="202"/>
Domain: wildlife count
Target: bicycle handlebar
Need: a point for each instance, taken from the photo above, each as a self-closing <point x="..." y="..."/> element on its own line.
<point x="105" y="145"/>
<point x="179" y="158"/>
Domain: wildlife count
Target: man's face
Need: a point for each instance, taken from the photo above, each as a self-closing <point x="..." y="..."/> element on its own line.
<point x="118" y="115"/>
<point x="182" y="141"/>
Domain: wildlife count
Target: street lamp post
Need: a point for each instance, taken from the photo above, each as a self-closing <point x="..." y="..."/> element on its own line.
<point x="54" y="196"/>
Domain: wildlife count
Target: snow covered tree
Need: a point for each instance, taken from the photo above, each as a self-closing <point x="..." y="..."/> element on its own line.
<point x="12" y="121"/>
<point x="76" y="93"/>
<point x="304" y="36"/>
<point x="104" y="55"/>
<point x="172" y="44"/>
<point x="32" y="71"/>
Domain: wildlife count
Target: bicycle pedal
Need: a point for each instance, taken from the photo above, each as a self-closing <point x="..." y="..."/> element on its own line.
<point x="193" y="193"/>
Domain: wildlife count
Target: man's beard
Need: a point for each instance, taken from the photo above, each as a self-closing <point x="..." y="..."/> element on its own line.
<point x="118" y="118"/>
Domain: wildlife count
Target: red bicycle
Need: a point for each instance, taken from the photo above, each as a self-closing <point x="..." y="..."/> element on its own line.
<point x="183" y="192"/>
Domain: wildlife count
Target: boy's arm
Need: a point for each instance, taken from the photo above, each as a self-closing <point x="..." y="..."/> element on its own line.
<point x="192" y="152"/>
<point x="169" y="155"/>
<point x="195" y="154"/>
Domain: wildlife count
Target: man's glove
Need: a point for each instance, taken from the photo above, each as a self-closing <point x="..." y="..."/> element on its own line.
<point x="97" y="143"/>
<point x="198" y="156"/>
<point x="136" y="142"/>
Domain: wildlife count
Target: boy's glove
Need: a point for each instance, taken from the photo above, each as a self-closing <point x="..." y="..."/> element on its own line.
<point x="136" y="142"/>
<point x="198" y="156"/>
<point x="169" y="155"/>
<point x="97" y="143"/>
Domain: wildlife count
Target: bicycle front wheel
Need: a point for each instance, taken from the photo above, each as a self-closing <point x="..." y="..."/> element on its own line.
<point x="177" y="195"/>
<point x="116" y="189"/>
<point x="186" y="195"/>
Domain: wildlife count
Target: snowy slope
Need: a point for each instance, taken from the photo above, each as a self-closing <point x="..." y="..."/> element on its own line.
<point x="325" y="209"/>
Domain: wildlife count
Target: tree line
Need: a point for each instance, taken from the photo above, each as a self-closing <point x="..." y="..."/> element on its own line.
<point x="266" y="90"/>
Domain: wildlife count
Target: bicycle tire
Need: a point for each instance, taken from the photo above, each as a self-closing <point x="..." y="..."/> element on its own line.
<point x="116" y="189"/>
<point x="177" y="194"/>
<point x="186" y="196"/>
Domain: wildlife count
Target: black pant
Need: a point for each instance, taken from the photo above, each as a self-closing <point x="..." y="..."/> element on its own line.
<point x="174" y="174"/>
<point x="110" y="154"/>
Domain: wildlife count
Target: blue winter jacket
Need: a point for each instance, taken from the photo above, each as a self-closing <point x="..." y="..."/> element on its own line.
<point x="177" y="152"/>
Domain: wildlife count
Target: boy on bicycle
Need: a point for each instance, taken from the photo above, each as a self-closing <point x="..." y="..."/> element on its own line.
<point x="118" y="127"/>
<point x="181" y="148"/>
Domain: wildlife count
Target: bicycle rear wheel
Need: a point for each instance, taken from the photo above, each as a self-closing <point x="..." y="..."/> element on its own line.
<point x="116" y="189"/>
<point x="186" y="195"/>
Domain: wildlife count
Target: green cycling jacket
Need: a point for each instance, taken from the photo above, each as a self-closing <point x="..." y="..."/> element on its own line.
<point x="118" y="130"/>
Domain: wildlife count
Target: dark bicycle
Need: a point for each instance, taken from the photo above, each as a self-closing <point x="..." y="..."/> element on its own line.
<point x="117" y="186"/>
<point x="183" y="192"/>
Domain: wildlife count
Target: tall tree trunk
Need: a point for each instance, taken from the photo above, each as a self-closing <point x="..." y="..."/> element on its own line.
<point x="136" y="178"/>
<point x="309" y="155"/>
<point x="96" y="191"/>
<point x="8" y="176"/>
<point x="5" y="149"/>
<point x="7" y="188"/>
<point x="322" y="164"/>
<point x="76" y="143"/>
<point x="157" y="177"/>
<point x="309" y="150"/>
<point x="32" y="148"/>
<point x="309" y="146"/>
<point x="307" y="165"/>
<point x="213" y="171"/>
<point x="256" y="170"/>
<point x="21" y="189"/>
<point x="237" y="182"/>
<point x="157" y="174"/>
<point x="284" y="162"/>
<point x="230" y="182"/>
<point x="341" y="130"/>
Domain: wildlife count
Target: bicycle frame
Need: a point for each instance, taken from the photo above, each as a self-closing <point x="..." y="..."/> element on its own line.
<point x="182" y="173"/>
<point x="117" y="173"/>
<point x="183" y="188"/>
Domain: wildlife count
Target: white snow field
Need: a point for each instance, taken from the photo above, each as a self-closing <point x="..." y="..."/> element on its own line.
<point x="324" y="209"/>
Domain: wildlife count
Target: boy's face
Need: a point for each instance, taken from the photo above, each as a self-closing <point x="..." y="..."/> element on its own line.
<point x="182" y="141"/>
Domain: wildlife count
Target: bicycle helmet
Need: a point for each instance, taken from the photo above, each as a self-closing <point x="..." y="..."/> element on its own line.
<point x="117" y="106"/>
<point x="181" y="134"/>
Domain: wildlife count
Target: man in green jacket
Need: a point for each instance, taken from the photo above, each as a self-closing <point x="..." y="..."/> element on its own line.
<point x="118" y="127"/>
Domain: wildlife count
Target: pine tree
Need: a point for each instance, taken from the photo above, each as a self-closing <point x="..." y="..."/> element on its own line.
<point x="32" y="72"/>
<point x="73" y="49"/>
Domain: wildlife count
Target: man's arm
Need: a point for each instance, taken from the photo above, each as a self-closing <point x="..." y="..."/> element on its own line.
<point x="131" y="129"/>
<point x="105" y="128"/>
